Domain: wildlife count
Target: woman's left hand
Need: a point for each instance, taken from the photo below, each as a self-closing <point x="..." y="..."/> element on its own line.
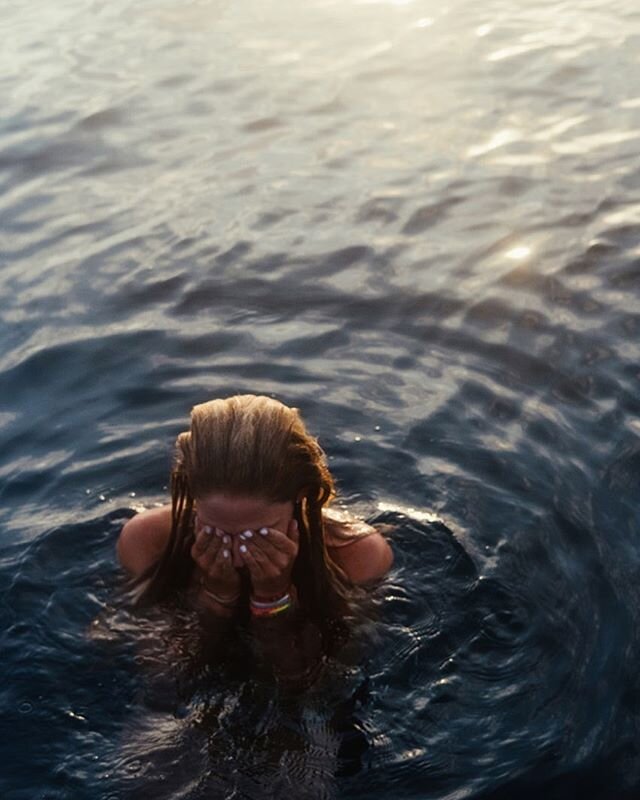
<point x="269" y="555"/>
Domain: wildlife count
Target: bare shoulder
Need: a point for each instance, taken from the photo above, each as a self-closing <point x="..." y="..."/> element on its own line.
<point x="357" y="548"/>
<point x="143" y="539"/>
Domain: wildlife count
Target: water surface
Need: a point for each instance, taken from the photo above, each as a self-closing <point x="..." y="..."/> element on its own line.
<point x="420" y="224"/>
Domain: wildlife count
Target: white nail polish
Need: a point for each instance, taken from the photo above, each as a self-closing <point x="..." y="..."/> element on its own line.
<point x="243" y="548"/>
<point x="264" y="531"/>
<point x="207" y="529"/>
<point x="226" y="539"/>
<point x="225" y="553"/>
<point x="246" y="535"/>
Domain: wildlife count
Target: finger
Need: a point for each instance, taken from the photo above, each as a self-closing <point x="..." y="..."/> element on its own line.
<point x="202" y="540"/>
<point x="222" y="557"/>
<point x="223" y="561"/>
<point x="271" y="560"/>
<point x="257" y="563"/>
<point x="271" y="540"/>
<point x="267" y="551"/>
<point x="206" y="547"/>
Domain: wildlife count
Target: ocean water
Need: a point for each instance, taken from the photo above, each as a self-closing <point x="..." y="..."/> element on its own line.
<point x="419" y="223"/>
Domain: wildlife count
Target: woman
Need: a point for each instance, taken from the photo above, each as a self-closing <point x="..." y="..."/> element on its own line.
<point x="248" y="537"/>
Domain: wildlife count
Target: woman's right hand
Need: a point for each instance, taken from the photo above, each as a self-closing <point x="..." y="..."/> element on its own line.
<point x="211" y="552"/>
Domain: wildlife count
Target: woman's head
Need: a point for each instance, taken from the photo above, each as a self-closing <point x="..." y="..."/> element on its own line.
<point x="256" y="449"/>
<point x="253" y="445"/>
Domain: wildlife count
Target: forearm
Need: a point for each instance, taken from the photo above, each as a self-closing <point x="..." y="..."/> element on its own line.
<point x="290" y="644"/>
<point x="216" y="620"/>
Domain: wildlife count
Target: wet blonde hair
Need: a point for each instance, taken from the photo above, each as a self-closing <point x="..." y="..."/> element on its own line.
<point x="252" y="445"/>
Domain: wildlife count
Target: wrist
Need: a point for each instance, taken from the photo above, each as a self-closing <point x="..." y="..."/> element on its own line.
<point x="221" y="599"/>
<point x="270" y="596"/>
<point x="270" y="593"/>
<point x="270" y="606"/>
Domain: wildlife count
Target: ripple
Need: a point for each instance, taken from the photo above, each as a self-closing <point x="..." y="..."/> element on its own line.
<point x="425" y="217"/>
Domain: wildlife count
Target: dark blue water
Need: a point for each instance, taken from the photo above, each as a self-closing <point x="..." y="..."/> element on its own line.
<point x="420" y="224"/>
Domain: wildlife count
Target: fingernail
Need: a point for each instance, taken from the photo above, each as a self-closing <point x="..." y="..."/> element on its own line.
<point x="246" y="535"/>
<point x="219" y="533"/>
<point x="264" y="531"/>
<point x="225" y="553"/>
<point x="207" y="529"/>
<point x="226" y="539"/>
<point x="243" y="548"/>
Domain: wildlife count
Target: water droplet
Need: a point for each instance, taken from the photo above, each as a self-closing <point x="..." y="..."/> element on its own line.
<point x="25" y="708"/>
<point x="377" y="428"/>
<point x="132" y="494"/>
<point x="102" y="498"/>
<point x="357" y="438"/>
<point x="87" y="491"/>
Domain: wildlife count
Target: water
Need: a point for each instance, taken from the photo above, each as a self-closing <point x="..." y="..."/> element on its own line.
<point x="418" y="223"/>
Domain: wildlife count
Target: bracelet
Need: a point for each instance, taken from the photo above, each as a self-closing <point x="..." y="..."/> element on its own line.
<point x="228" y="602"/>
<point x="261" y="609"/>
<point x="271" y="601"/>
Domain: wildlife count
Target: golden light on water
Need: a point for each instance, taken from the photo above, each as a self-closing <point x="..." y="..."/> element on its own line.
<point x="518" y="253"/>
<point x="424" y="22"/>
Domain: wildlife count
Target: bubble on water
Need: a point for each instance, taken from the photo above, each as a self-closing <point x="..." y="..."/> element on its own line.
<point x="102" y="498"/>
<point x="87" y="491"/>
<point x="357" y="438"/>
<point x="377" y="428"/>
<point x="25" y="708"/>
<point x="132" y="494"/>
